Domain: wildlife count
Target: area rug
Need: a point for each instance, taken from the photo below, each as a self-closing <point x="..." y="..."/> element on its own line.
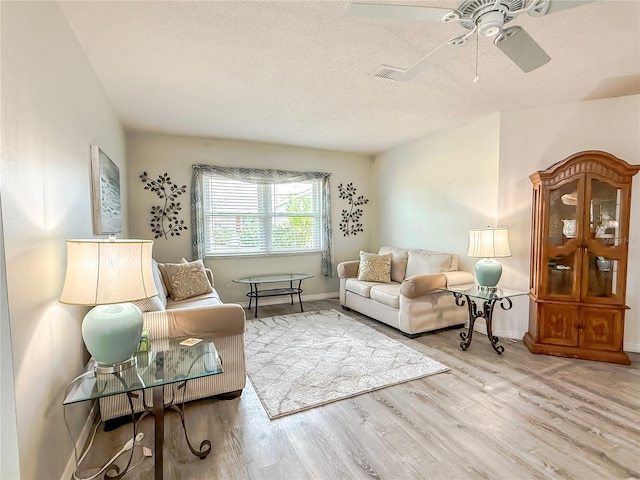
<point x="300" y="361"/>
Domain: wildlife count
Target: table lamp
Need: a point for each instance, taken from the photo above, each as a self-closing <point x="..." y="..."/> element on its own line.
<point x="109" y="274"/>
<point x="488" y="244"/>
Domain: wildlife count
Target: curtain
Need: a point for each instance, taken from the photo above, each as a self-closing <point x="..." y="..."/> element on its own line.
<point x="260" y="176"/>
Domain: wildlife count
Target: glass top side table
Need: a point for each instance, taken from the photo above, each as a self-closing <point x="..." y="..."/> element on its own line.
<point x="166" y="363"/>
<point x="255" y="293"/>
<point x="480" y="304"/>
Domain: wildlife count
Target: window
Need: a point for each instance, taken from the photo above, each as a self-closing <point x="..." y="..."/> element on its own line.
<point x="251" y="211"/>
<point x="247" y="218"/>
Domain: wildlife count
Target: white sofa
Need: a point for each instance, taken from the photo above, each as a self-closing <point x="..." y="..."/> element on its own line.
<point x="411" y="301"/>
<point x="197" y="316"/>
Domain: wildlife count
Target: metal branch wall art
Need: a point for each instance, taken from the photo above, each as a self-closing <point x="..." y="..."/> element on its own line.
<point x="164" y="218"/>
<point x="350" y="224"/>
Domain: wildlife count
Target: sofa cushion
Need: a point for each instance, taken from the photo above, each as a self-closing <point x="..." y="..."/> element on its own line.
<point x="186" y="280"/>
<point x="387" y="294"/>
<point x="374" y="268"/>
<point x="359" y="287"/>
<point x="399" y="258"/>
<point x="207" y="299"/>
<point x="425" y="261"/>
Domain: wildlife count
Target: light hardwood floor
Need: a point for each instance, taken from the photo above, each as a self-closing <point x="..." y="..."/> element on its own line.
<point x="515" y="416"/>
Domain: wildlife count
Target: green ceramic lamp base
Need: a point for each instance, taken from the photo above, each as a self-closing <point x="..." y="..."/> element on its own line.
<point x="111" y="334"/>
<point x="488" y="272"/>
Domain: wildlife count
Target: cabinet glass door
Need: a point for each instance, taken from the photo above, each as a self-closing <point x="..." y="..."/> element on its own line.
<point x="604" y="243"/>
<point x="563" y="224"/>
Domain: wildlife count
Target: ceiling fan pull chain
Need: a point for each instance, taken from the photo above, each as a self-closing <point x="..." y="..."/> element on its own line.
<point x="476" y="78"/>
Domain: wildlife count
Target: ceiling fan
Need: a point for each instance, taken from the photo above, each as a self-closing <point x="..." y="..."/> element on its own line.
<point x="486" y="18"/>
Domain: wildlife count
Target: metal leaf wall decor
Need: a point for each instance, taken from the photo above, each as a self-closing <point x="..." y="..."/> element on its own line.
<point x="350" y="224"/>
<point x="164" y="218"/>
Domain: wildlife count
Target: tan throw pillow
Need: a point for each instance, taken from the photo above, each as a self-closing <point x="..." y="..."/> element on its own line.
<point x="186" y="280"/>
<point x="165" y="277"/>
<point x="375" y="268"/>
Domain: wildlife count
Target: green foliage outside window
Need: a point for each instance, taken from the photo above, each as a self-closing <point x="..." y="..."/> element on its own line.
<point x="294" y="232"/>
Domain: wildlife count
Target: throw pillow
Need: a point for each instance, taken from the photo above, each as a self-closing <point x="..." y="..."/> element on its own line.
<point x="153" y="304"/>
<point x="186" y="280"/>
<point x="375" y="268"/>
<point x="165" y="277"/>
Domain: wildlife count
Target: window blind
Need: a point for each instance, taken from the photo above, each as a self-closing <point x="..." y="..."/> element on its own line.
<point x="247" y="218"/>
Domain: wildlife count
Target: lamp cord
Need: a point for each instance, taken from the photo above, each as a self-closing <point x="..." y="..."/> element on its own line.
<point x="130" y="444"/>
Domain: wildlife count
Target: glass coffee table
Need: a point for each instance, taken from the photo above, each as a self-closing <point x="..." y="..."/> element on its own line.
<point x="474" y="296"/>
<point x="166" y="363"/>
<point x="255" y="293"/>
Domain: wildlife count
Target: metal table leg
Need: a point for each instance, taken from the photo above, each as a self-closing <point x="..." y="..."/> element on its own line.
<point x="158" y="418"/>
<point x="256" y="294"/>
<point x="485" y="312"/>
<point x="299" y="295"/>
<point x="291" y="287"/>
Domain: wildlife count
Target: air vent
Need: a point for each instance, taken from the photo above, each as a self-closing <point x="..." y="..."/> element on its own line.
<point x="385" y="71"/>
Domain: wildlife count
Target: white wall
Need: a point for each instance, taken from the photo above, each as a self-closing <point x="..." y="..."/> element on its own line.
<point x="53" y="109"/>
<point x="157" y="154"/>
<point x="534" y="139"/>
<point x="431" y="192"/>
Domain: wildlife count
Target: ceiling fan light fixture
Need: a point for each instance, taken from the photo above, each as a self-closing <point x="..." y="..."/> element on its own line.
<point x="490" y="24"/>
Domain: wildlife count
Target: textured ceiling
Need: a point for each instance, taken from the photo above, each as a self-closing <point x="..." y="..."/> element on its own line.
<point x="298" y="73"/>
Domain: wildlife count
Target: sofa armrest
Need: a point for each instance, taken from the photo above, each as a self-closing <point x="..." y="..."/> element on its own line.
<point x="209" y="276"/>
<point x="348" y="269"/>
<point x="459" y="278"/>
<point x="423" y="284"/>
<point x="215" y="320"/>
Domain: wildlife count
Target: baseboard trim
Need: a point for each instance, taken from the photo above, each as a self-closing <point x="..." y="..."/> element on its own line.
<point x="286" y="299"/>
<point x="481" y="327"/>
<point x="81" y="442"/>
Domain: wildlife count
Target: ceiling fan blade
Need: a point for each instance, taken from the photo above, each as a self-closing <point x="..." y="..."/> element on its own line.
<point x="523" y="50"/>
<point x="414" y="70"/>
<point x="410" y="12"/>
<point x="418" y="67"/>
<point x="559" y="5"/>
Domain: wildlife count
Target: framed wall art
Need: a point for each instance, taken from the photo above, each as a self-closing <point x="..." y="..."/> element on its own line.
<point x="105" y="188"/>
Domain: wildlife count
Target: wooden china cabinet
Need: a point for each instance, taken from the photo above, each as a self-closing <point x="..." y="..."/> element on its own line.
<point x="580" y="234"/>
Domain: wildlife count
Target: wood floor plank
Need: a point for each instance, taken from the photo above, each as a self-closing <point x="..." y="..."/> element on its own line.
<point x="513" y="416"/>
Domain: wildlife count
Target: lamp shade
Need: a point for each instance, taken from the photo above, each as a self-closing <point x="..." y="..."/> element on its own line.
<point x="489" y="243"/>
<point x="101" y="272"/>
